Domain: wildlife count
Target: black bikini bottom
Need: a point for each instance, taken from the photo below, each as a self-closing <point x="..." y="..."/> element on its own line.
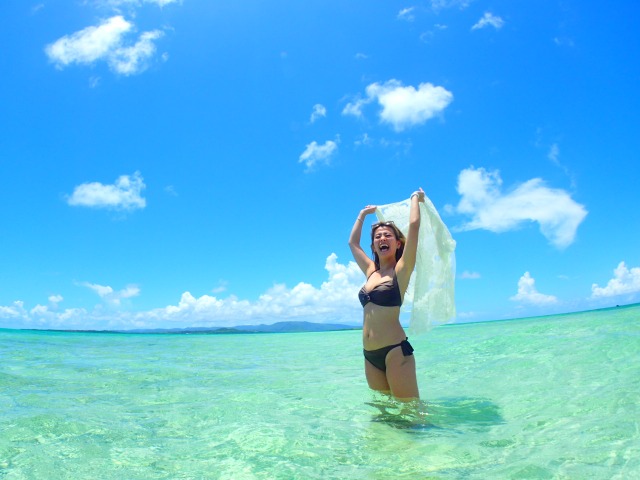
<point x="378" y="357"/>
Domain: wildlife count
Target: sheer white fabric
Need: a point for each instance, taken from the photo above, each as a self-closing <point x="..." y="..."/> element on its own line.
<point x="430" y="295"/>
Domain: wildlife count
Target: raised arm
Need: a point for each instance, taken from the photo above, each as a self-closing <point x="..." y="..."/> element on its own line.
<point x="361" y="258"/>
<point x="408" y="260"/>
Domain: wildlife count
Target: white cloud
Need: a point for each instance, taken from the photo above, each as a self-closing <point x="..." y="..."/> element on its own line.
<point x="438" y="5"/>
<point x="315" y="154"/>
<point x="555" y="211"/>
<point x="105" y="41"/>
<point x="133" y="59"/>
<point x="355" y="108"/>
<point x="13" y="311"/>
<point x="160" y="3"/>
<point x="364" y="139"/>
<point x="527" y="292"/>
<point x="402" y="146"/>
<point x="403" y="107"/>
<point x="110" y="295"/>
<point x="564" y="42"/>
<point x="39" y="311"/>
<point x="125" y="194"/>
<point x="489" y="20"/>
<point x="469" y="275"/>
<point x="554" y="156"/>
<point x="624" y="281"/>
<point x="16" y="316"/>
<point x="134" y="3"/>
<point x="407" y="14"/>
<point x="129" y="292"/>
<point x="427" y="36"/>
<point x="55" y="299"/>
<point x="102" y="291"/>
<point x="335" y="300"/>
<point x="554" y="152"/>
<point x="221" y="287"/>
<point x="89" y="44"/>
<point x="318" y="112"/>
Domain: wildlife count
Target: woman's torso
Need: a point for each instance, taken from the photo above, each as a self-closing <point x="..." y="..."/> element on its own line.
<point x="381" y="297"/>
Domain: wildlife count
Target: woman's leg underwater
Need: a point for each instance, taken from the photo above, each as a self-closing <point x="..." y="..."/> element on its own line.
<point x="376" y="378"/>
<point x="401" y="375"/>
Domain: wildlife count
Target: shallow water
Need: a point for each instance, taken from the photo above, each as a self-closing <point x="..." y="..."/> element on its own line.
<point x="552" y="397"/>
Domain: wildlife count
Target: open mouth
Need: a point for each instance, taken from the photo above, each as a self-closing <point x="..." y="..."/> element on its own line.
<point x="383" y="247"/>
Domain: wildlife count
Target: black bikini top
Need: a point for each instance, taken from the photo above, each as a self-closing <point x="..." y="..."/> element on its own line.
<point x="385" y="294"/>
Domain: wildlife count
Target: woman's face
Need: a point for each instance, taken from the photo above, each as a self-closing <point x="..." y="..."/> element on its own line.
<point x="385" y="241"/>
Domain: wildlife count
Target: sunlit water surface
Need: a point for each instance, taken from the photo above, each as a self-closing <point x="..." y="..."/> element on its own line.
<point x="553" y="397"/>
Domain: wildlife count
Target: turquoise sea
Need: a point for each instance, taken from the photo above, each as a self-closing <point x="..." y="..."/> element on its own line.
<point x="550" y="397"/>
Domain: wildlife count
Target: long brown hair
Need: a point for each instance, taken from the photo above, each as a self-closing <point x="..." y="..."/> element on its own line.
<point x="398" y="234"/>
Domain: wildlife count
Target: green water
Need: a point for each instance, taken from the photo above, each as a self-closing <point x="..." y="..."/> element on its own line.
<point x="553" y="397"/>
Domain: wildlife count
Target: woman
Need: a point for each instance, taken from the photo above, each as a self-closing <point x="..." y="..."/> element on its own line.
<point x="389" y="362"/>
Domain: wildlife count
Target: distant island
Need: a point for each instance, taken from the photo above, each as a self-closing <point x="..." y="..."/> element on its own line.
<point x="279" y="327"/>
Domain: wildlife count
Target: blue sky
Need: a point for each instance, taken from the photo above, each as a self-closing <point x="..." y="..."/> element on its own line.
<point x="180" y="163"/>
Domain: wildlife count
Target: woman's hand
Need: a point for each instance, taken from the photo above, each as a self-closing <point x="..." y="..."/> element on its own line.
<point x="418" y="193"/>
<point x="368" y="209"/>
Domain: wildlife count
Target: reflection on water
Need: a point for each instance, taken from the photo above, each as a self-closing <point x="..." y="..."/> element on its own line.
<point x="465" y="412"/>
<point x="452" y="414"/>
